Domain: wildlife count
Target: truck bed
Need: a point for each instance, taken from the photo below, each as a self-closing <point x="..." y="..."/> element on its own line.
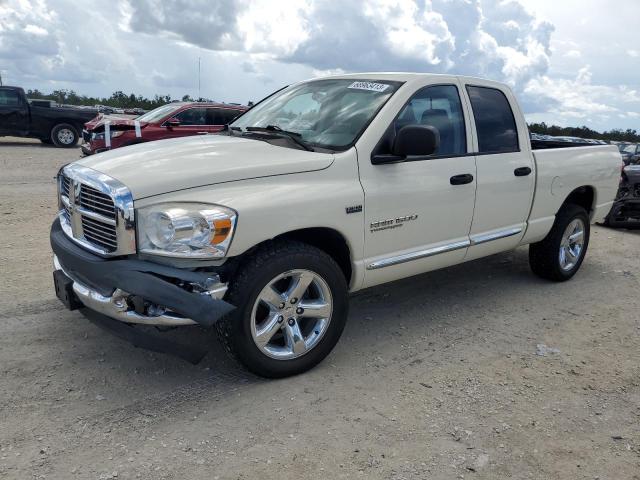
<point x="561" y="171"/>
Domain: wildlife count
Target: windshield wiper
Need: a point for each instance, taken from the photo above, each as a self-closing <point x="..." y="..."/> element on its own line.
<point x="293" y="136"/>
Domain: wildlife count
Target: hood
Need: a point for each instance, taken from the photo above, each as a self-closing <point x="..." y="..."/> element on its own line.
<point x="118" y="122"/>
<point x="164" y="166"/>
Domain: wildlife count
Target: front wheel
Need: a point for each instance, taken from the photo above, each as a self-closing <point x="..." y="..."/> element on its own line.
<point x="291" y="307"/>
<point x="559" y="256"/>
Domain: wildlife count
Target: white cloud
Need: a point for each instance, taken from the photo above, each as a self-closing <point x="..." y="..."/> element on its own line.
<point x="250" y="47"/>
<point x="578" y="99"/>
<point x="36" y="30"/>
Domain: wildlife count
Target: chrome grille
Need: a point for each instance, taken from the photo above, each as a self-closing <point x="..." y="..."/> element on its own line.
<point x="100" y="233"/>
<point x="96" y="201"/>
<point x="96" y="211"/>
<point x="66" y="185"/>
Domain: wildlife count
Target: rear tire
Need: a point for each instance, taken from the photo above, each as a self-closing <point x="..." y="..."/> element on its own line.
<point x="286" y="333"/>
<point x="64" y="135"/>
<point x="559" y="256"/>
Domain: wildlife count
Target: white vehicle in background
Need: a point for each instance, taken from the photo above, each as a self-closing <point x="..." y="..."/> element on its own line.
<point x="264" y="230"/>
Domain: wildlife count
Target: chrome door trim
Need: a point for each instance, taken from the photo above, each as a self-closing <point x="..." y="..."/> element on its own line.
<point x="488" y="237"/>
<point x="474" y="240"/>
<point x="408" y="257"/>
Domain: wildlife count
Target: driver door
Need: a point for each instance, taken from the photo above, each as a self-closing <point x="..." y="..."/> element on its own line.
<point x="418" y="212"/>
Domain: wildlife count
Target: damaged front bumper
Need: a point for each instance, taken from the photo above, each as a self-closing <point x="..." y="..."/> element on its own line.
<point x="135" y="291"/>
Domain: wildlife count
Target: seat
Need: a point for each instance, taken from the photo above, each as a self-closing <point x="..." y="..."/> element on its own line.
<point x="439" y="119"/>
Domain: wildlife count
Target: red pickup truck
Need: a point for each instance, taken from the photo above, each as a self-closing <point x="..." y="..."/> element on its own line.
<point x="173" y="120"/>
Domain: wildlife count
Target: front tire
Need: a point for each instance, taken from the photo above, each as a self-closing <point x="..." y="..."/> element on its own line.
<point x="291" y="308"/>
<point x="64" y="135"/>
<point x="559" y="256"/>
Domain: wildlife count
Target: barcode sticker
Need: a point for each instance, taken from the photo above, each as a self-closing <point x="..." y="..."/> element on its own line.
<point x="371" y="86"/>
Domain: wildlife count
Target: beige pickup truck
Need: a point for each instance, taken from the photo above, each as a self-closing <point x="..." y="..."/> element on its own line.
<point x="324" y="188"/>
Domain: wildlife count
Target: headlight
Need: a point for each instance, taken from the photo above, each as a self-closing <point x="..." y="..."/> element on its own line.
<point x="186" y="230"/>
<point x="113" y="134"/>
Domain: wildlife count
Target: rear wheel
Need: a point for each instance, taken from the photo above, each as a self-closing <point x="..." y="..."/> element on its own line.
<point x="64" y="135"/>
<point x="292" y="305"/>
<point x="559" y="256"/>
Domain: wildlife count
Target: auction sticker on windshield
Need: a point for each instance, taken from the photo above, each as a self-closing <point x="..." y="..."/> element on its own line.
<point x="372" y="86"/>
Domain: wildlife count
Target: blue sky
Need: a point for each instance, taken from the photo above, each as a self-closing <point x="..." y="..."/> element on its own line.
<point x="570" y="62"/>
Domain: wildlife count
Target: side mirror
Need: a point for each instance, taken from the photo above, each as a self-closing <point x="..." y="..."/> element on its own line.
<point x="420" y="140"/>
<point x="173" y="122"/>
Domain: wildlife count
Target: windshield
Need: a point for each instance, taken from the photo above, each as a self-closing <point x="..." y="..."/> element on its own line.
<point x="328" y="113"/>
<point x="158" y="113"/>
<point x="629" y="149"/>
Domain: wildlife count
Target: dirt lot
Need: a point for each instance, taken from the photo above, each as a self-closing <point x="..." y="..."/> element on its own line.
<point x="436" y="377"/>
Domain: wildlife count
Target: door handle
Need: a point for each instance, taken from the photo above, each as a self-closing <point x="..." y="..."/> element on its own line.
<point x="461" y="179"/>
<point x="522" y="171"/>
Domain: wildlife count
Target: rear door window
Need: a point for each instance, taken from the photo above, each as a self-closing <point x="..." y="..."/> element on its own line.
<point x="495" y="123"/>
<point x="221" y="116"/>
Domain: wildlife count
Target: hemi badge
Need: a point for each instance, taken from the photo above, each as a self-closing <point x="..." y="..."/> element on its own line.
<point x="354" y="209"/>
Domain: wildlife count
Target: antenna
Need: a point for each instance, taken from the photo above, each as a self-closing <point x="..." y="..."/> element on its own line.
<point x="199" y="96"/>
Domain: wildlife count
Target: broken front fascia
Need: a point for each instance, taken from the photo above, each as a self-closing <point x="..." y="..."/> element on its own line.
<point x="150" y="281"/>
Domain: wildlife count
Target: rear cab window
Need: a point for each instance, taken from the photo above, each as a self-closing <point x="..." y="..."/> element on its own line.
<point x="494" y="120"/>
<point x="9" y="98"/>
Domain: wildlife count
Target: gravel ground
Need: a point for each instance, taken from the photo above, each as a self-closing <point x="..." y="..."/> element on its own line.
<point x="478" y="371"/>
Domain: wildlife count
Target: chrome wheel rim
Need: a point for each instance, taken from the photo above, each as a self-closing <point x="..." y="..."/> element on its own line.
<point x="572" y="244"/>
<point x="291" y="314"/>
<point x="65" y="136"/>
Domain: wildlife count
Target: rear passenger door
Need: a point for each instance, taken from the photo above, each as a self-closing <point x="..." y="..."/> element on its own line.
<point x="505" y="172"/>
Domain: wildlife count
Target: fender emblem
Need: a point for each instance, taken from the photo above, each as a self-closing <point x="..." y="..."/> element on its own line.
<point x="353" y="209"/>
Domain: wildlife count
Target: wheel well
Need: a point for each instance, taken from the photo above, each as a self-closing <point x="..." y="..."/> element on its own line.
<point x="583" y="197"/>
<point x="329" y="241"/>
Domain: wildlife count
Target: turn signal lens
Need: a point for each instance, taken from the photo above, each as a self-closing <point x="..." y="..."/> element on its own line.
<point x="222" y="229"/>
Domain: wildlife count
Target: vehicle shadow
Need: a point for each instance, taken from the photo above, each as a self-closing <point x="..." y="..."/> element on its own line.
<point x="632" y="228"/>
<point x="143" y="381"/>
<point x="458" y="286"/>
<point x="29" y="144"/>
